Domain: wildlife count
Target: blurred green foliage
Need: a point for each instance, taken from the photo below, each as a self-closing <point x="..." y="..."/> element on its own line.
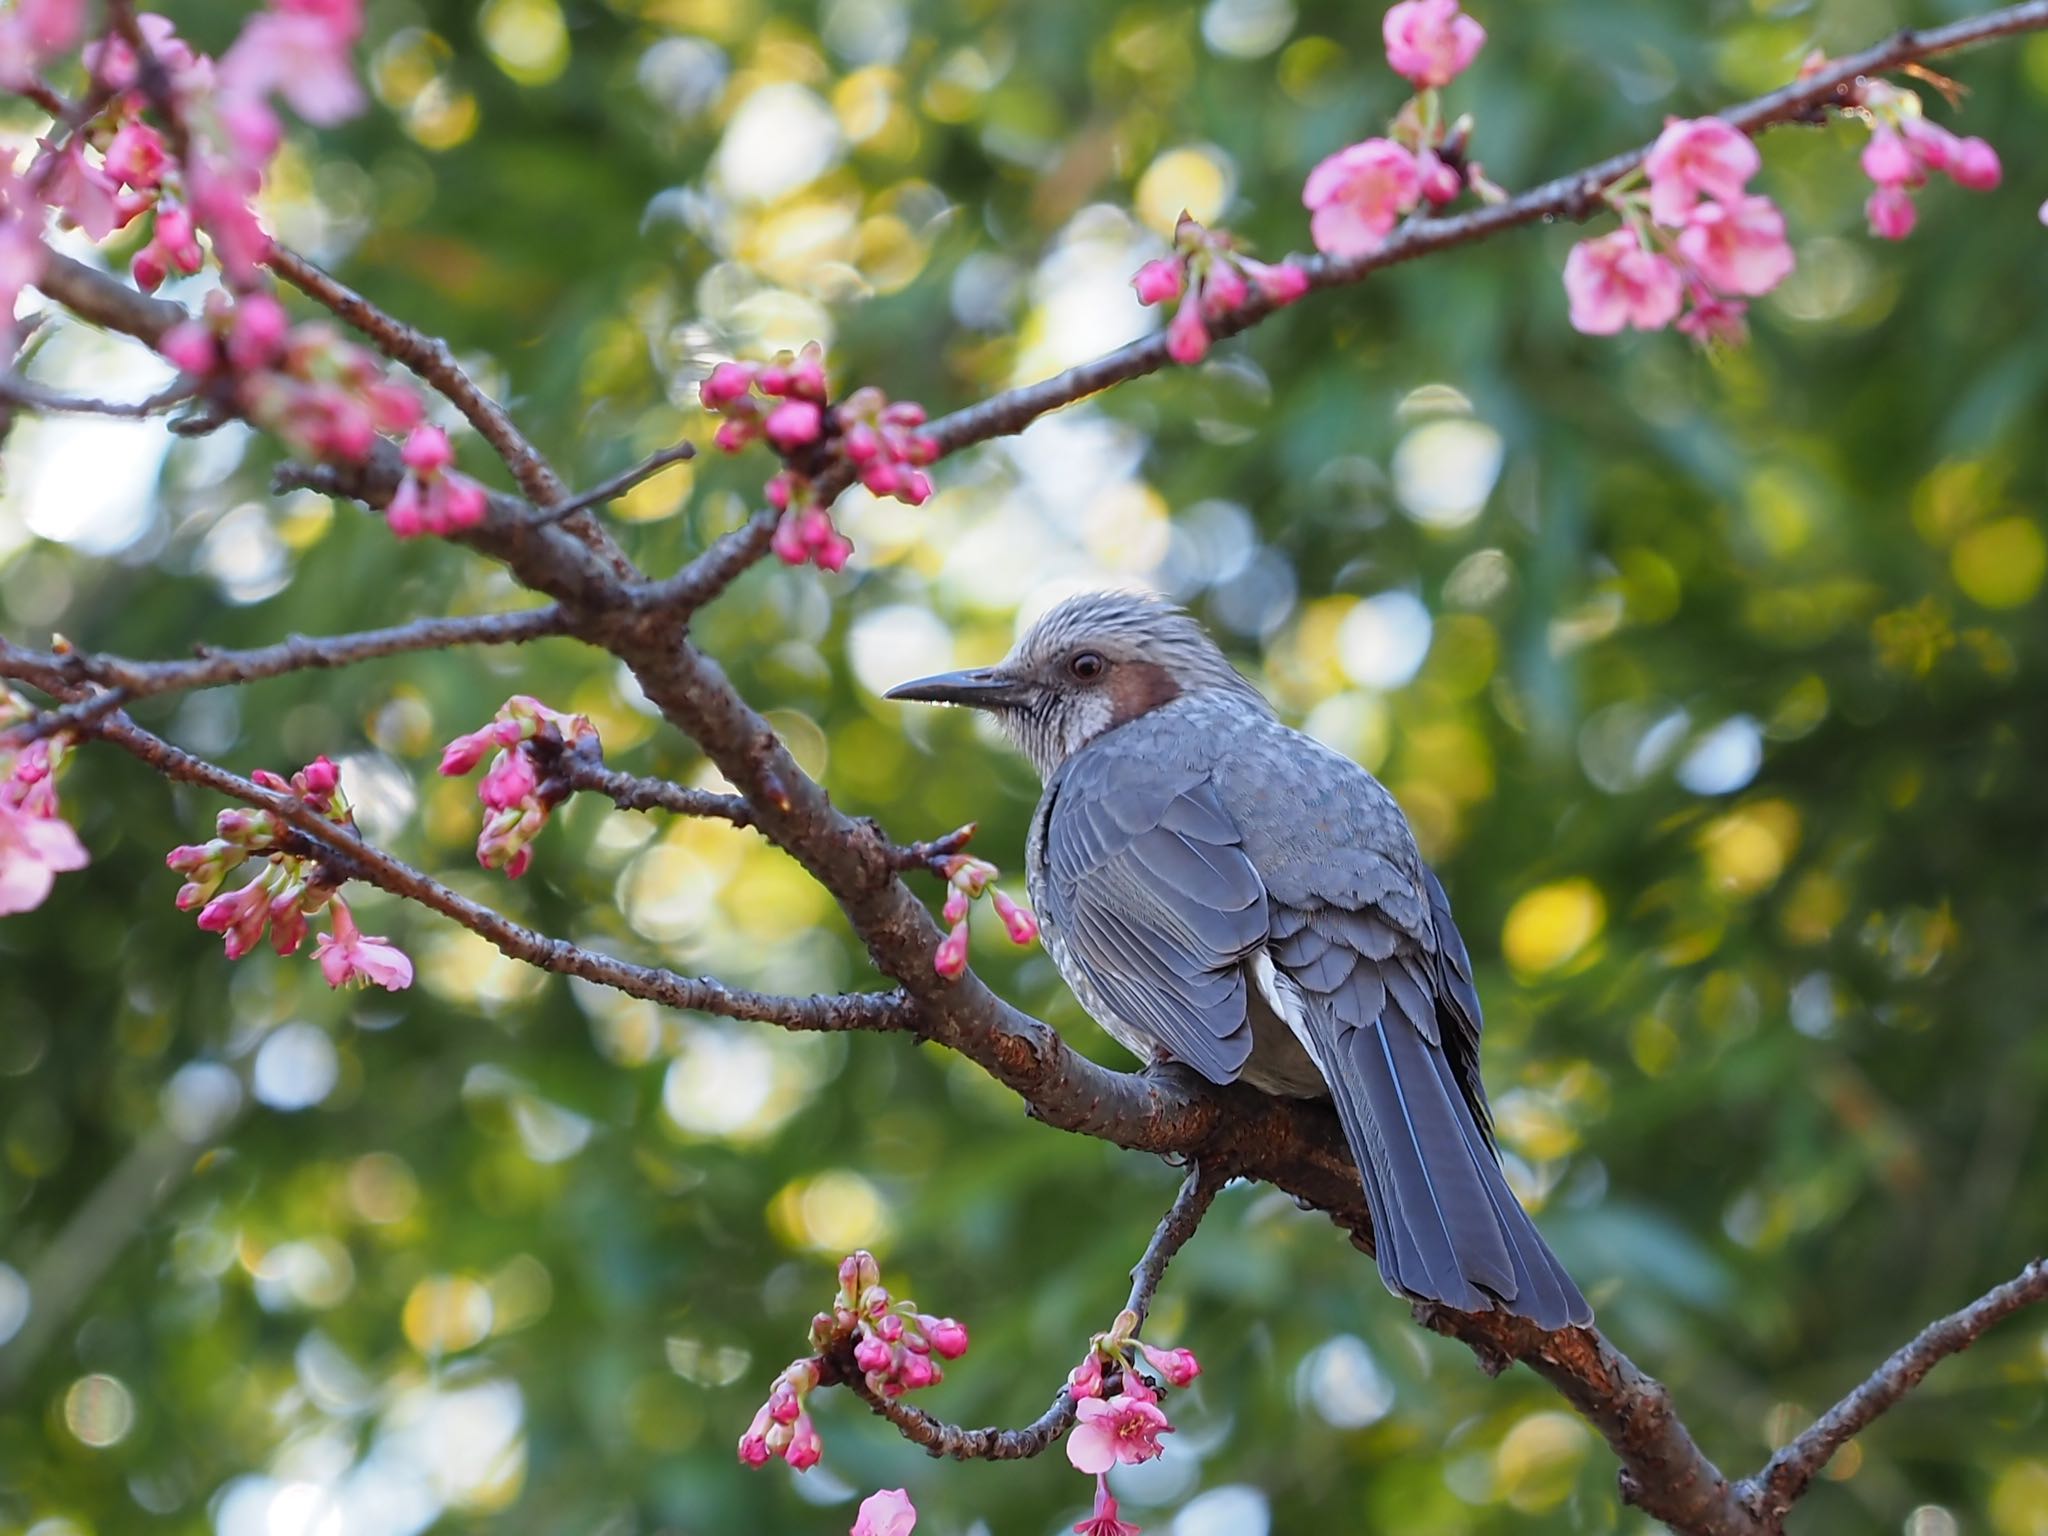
<point x="1717" y="687"/>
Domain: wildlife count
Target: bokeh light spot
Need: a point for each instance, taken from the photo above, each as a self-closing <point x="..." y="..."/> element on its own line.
<point x="1552" y="925"/>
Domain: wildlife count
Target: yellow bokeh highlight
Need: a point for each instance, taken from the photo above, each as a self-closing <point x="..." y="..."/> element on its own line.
<point x="442" y="116"/>
<point x="445" y="1314"/>
<point x="1815" y="908"/>
<point x="1538" y="1461"/>
<point x="1191" y="179"/>
<point x="658" y="496"/>
<point x="1746" y="850"/>
<point x="2000" y="564"/>
<point x="527" y="39"/>
<point x="1553" y="925"/>
<point x="2019" y="1500"/>
<point x="835" y="1212"/>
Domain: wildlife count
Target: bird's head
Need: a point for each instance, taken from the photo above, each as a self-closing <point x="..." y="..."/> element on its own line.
<point x="1091" y="664"/>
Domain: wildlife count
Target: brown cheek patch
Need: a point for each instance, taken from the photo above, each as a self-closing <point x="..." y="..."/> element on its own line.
<point x="1138" y="688"/>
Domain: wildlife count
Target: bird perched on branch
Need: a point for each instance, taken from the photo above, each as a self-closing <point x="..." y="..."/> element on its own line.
<point x="1225" y="892"/>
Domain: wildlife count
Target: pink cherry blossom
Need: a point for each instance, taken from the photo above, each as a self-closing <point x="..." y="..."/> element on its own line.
<point x="1085" y="1379"/>
<point x="1120" y="1429"/>
<point x="1223" y="289"/>
<point x="753" y="1448"/>
<point x="1695" y="158"/>
<point x="36" y="30"/>
<point x="302" y="57"/>
<point x="728" y="382"/>
<point x="256" y="335"/>
<point x="888" y="1513"/>
<point x="34" y="850"/>
<point x="1738" y="247"/>
<point x="1931" y="144"/>
<point x="1891" y="212"/>
<point x="1715" y="319"/>
<point x="427" y="450"/>
<point x="1358" y="194"/>
<point x="1430" y="42"/>
<point x="1613" y="282"/>
<point x="1282" y="282"/>
<point x="349" y="955"/>
<point x="1104" y="1521"/>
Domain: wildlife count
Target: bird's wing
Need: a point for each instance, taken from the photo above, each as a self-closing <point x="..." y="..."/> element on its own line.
<point x="1156" y="904"/>
<point x="1369" y="966"/>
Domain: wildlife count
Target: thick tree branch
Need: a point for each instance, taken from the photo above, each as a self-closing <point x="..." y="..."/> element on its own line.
<point x="1778" y="1486"/>
<point x="631" y="792"/>
<point x="939" y="1438"/>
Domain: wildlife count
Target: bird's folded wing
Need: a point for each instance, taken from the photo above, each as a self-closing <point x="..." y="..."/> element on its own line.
<point x="1157" y="906"/>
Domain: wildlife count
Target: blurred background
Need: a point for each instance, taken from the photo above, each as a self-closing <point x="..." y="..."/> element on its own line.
<point x="1717" y="688"/>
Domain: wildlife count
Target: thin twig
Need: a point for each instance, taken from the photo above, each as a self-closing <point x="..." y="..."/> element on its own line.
<point x="30" y="395"/>
<point x="631" y="792"/>
<point x="939" y="1438"/>
<point x="1778" y="1486"/>
<point x="295" y="653"/>
<point x="620" y="483"/>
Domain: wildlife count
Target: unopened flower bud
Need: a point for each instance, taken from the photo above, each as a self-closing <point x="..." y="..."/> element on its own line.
<point x="1157" y="281"/>
<point x="951" y="958"/>
<point x="1020" y="924"/>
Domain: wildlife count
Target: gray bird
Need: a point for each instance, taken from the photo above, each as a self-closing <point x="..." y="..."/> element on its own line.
<point x="1223" y="891"/>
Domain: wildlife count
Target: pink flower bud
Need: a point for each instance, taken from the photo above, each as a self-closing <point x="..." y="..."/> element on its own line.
<point x="754" y="1450"/>
<point x="1177" y="1367"/>
<point x="805" y="1448"/>
<point x="1158" y="281"/>
<point x="427" y="451"/>
<point x="789" y="544"/>
<point x="951" y="958"/>
<point x="807" y="378"/>
<point x="904" y="413"/>
<point x="948" y="1336"/>
<point x="774" y="378"/>
<point x="321" y="777"/>
<point x="1891" y="213"/>
<point x="794" y="423"/>
<point x="463" y="502"/>
<point x="1222" y="290"/>
<point x="1187" y="339"/>
<point x="882" y="478"/>
<point x="511" y="781"/>
<point x="916" y="488"/>
<point x="462" y="754"/>
<point x="257" y="333"/>
<point x="955" y="910"/>
<point x="1085" y="1379"/>
<point x="871" y="1354"/>
<point x="1889" y="160"/>
<point x="887" y="1324"/>
<point x="406" y="515"/>
<point x="395" y="407"/>
<point x="1282" y="283"/>
<point x="922" y="450"/>
<point x="862" y="443"/>
<point x="783" y="1404"/>
<point x="734" y="433"/>
<point x="1975" y="165"/>
<point x="1019" y="923"/>
<point x="832" y="553"/>
<point x="263" y="778"/>
<point x="190" y="347"/>
<point x="728" y="382"/>
<point x="858" y="1272"/>
<point x="1440" y="184"/>
<point x="149" y="269"/>
<point x="1933" y="145"/>
<point x="916" y="1371"/>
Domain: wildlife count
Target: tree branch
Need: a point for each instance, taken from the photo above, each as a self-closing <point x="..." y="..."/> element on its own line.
<point x="620" y="483"/>
<point x="27" y="394"/>
<point x="1779" y="1485"/>
<point x="939" y="1438"/>
<point x="353" y="859"/>
<point x="295" y="653"/>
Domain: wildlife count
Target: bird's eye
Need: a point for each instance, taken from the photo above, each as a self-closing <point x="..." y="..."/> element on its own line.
<point x="1086" y="665"/>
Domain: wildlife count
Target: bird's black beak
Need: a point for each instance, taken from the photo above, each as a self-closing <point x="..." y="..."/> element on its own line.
<point x="983" y="688"/>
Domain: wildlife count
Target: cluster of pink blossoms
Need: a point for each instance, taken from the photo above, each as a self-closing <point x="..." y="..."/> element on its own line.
<point x="432" y="498"/>
<point x="968" y="879"/>
<point x="119" y="165"/>
<point x="1729" y="243"/>
<point x="1905" y="149"/>
<point x="896" y="1348"/>
<point x="1356" y="196"/>
<point x="36" y="843"/>
<point x="1118" y="1417"/>
<point x="1212" y="279"/>
<point x="289" y="887"/>
<point x="323" y="395"/>
<point x="517" y="793"/>
<point x="784" y="402"/>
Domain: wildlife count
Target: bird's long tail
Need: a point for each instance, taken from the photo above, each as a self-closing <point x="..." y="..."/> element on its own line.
<point x="1446" y="1226"/>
